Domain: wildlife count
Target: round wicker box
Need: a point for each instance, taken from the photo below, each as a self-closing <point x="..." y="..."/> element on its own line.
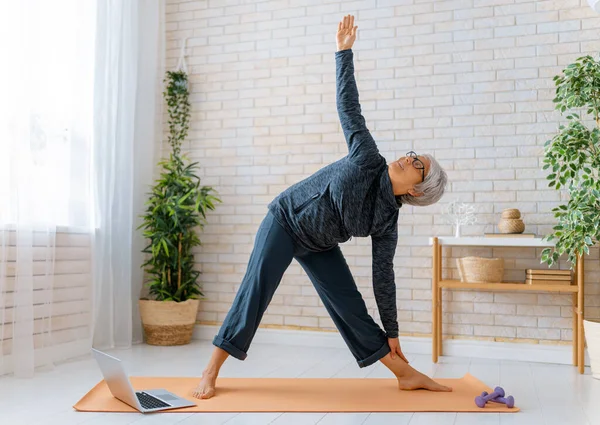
<point x="478" y="269"/>
<point x="511" y="225"/>
<point x="511" y="213"/>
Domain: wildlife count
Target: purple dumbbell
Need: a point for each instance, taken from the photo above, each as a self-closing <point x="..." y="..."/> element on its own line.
<point x="481" y="400"/>
<point x="509" y="401"/>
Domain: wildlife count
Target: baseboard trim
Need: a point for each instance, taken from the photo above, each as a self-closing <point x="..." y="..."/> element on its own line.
<point x="539" y="353"/>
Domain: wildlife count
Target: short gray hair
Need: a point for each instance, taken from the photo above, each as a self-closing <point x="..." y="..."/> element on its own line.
<point x="432" y="188"/>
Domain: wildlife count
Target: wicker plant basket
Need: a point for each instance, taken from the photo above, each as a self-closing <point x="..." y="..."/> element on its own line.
<point x="168" y="322"/>
<point x="477" y="269"/>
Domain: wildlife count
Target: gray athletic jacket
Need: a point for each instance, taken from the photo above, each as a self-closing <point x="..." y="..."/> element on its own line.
<point x="350" y="197"/>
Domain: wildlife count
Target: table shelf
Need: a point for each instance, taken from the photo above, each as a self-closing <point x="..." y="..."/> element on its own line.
<point x="507" y="286"/>
<point x="495" y="241"/>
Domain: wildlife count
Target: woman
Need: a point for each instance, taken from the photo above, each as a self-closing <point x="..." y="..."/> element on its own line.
<point x="359" y="195"/>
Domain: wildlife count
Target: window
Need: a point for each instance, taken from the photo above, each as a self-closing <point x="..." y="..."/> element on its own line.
<point x="46" y="81"/>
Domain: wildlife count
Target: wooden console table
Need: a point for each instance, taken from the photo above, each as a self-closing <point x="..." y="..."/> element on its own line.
<point x="438" y="284"/>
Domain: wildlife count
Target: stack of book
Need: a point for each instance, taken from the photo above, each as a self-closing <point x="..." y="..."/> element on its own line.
<point x="509" y="235"/>
<point x="548" y="277"/>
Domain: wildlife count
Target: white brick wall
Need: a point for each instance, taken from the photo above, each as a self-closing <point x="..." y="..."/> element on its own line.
<point x="468" y="80"/>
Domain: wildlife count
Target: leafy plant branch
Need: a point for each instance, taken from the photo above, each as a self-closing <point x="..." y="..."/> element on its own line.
<point x="574" y="160"/>
<point x="176" y="207"/>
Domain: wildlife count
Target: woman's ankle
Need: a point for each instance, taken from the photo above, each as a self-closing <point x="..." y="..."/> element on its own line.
<point x="216" y="361"/>
<point x="210" y="370"/>
<point x="398" y="367"/>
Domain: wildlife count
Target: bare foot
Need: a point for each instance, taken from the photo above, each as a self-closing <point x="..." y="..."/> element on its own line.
<point x="410" y="378"/>
<point x="417" y="381"/>
<point x="206" y="387"/>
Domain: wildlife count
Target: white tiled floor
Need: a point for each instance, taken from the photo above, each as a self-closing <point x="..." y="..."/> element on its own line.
<point x="547" y="394"/>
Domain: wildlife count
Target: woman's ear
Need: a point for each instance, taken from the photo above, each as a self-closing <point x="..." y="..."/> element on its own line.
<point x="413" y="192"/>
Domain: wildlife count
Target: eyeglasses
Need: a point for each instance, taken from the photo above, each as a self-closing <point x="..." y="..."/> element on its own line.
<point x="417" y="163"/>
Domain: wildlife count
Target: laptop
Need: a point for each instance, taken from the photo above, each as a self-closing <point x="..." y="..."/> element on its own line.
<point x="144" y="401"/>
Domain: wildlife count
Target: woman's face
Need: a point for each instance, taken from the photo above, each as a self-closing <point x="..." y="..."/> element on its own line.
<point x="408" y="171"/>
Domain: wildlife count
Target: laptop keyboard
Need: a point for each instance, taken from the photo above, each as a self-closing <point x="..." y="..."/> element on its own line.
<point x="149" y="402"/>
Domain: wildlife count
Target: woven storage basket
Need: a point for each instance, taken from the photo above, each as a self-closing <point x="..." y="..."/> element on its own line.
<point x="477" y="269"/>
<point x="168" y="322"/>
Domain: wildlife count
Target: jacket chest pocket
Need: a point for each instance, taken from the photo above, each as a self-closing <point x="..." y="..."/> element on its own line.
<point x="305" y="203"/>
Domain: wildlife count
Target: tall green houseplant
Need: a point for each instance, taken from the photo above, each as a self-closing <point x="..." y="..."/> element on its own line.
<point x="572" y="157"/>
<point x="176" y="208"/>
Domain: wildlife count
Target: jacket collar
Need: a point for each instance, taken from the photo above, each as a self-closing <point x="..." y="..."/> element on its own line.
<point x="388" y="191"/>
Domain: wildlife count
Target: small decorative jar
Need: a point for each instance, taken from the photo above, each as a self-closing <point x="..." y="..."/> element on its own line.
<point x="511" y="221"/>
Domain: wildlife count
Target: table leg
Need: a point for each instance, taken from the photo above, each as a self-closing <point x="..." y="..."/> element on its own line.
<point x="580" y="336"/>
<point x="575" y="329"/>
<point x="434" y="301"/>
<point x="440" y="332"/>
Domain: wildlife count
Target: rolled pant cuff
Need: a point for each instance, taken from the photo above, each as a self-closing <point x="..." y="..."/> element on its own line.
<point x="375" y="357"/>
<point x="229" y="347"/>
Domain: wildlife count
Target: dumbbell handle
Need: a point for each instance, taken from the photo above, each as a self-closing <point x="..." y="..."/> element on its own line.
<point x="498" y="392"/>
<point x="509" y="401"/>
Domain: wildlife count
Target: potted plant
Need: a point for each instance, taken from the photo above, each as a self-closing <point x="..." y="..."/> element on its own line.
<point x="573" y="156"/>
<point x="176" y="209"/>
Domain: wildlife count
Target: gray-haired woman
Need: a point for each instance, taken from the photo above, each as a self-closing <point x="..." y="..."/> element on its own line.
<point x="358" y="195"/>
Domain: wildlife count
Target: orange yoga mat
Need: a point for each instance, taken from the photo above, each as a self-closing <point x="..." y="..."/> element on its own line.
<point x="305" y="395"/>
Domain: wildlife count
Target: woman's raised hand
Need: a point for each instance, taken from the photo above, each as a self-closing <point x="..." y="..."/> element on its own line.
<point x="346" y="33"/>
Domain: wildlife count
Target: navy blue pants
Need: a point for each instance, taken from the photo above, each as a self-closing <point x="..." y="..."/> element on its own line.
<point x="273" y="252"/>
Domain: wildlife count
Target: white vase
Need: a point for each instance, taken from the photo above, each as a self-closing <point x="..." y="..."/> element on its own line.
<point x="457" y="232"/>
<point x="592" y="338"/>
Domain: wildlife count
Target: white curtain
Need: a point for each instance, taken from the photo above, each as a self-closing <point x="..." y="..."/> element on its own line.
<point x="127" y="121"/>
<point x="45" y="122"/>
<point x="80" y="86"/>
